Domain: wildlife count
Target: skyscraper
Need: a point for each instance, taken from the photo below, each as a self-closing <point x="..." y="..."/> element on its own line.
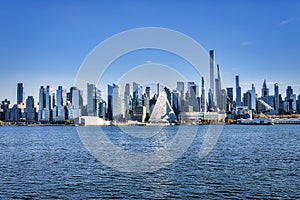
<point x="238" y="100"/>
<point x="148" y="92"/>
<point x="60" y="111"/>
<point x="45" y="109"/>
<point x="93" y="99"/>
<point x="77" y="103"/>
<point x="30" y="109"/>
<point x="276" y="98"/>
<point x="20" y="93"/>
<point x="218" y="86"/>
<point x="116" y="109"/>
<point x="203" y="101"/>
<point x="265" y="90"/>
<point x="212" y="71"/>
<point x="289" y="92"/>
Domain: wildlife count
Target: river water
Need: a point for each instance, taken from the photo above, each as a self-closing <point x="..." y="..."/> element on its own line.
<point x="51" y="162"/>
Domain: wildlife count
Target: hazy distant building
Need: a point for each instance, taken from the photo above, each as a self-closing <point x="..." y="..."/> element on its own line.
<point x="20" y="93"/>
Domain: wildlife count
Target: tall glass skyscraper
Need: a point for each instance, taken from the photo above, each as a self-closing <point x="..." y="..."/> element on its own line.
<point x="238" y="100"/>
<point x="20" y="93"/>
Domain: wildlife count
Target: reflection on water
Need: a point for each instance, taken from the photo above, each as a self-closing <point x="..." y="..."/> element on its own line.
<point x="247" y="162"/>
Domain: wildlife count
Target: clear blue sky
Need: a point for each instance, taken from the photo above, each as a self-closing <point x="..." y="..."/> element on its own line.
<point x="45" y="42"/>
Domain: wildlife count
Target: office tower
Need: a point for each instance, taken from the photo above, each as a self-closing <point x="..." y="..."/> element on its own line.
<point x="203" y="103"/>
<point x="77" y="103"/>
<point x="127" y="100"/>
<point x="265" y="90"/>
<point x="30" y="109"/>
<point x="276" y="98"/>
<point x="210" y="101"/>
<point x="298" y="104"/>
<point x="135" y="86"/>
<point x="180" y="86"/>
<point x="109" y="102"/>
<point x="116" y="109"/>
<point x="148" y="92"/>
<point x="212" y="71"/>
<point x="230" y="94"/>
<point x="45" y="109"/>
<point x="289" y="92"/>
<point x="180" y="89"/>
<point x="238" y="101"/>
<point x="60" y="111"/>
<point x="176" y="102"/>
<point x="5" y="106"/>
<point x="93" y="98"/>
<point x="20" y="93"/>
<point x="252" y="100"/>
<point x="222" y="100"/>
<point x="218" y="86"/>
<point x="158" y="89"/>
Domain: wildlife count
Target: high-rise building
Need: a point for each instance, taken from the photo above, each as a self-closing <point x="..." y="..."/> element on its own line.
<point x="109" y="102"/>
<point x="265" y="90"/>
<point x="20" y="93"/>
<point x="252" y="102"/>
<point x="289" y="92"/>
<point x="180" y="88"/>
<point x="238" y="100"/>
<point x="276" y="98"/>
<point x="60" y="112"/>
<point x="230" y="94"/>
<point x="148" y="92"/>
<point x="77" y="103"/>
<point x="93" y="99"/>
<point x="6" y="106"/>
<point x="218" y="86"/>
<point x="30" y="111"/>
<point x="127" y="100"/>
<point x="116" y="109"/>
<point x="203" y="99"/>
<point x="212" y="71"/>
<point x="45" y="108"/>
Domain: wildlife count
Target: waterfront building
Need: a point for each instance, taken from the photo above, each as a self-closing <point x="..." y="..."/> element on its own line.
<point x="238" y="101"/>
<point x="30" y="110"/>
<point x="218" y="87"/>
<point x="60" y="112"/>
<point x="203" y="98"/>
<point x="77" y="103"/>
<point x="5" y="107"/>
<point x="45" y="108"/>
<point x="212" y="74"/>
<point x="20" y="93"/>
<point x="180" y="89"/>
<point x="128" y="100"/>
<point x="264" y="90"/>
<point x="93" y="99"/>
<point x="276" y="98"/>
<point x="116" y="106"/>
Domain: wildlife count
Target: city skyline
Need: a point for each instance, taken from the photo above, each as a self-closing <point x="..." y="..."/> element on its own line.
<point x="45" y="43"/>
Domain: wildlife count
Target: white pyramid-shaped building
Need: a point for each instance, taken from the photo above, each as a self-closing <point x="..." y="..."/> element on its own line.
<point x="162" y="112"/>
